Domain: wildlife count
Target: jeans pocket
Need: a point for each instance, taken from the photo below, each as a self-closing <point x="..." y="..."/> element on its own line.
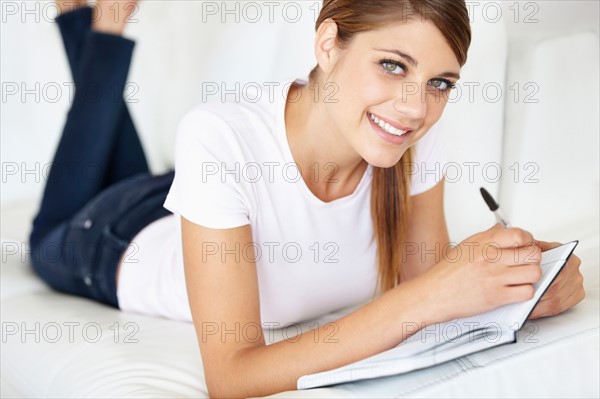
<point x="113" y="242"/>
<point x="111" y="249"/>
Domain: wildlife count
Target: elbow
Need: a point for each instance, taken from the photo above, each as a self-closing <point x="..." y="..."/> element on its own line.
<point x="228" y="386"/>
<point x="220" y="389"/>
<point x="224" y="383"/>
<point x="229" y="380"/>
<point x="217" y="392"/>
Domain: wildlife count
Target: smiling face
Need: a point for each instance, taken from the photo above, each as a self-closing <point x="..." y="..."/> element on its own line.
<point x="401" y="75"/>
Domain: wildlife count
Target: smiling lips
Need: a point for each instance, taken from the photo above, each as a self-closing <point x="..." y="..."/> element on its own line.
<point x="387" y="127"/>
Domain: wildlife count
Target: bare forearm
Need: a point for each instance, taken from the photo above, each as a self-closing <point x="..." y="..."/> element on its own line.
<point x="371" y="329"/>
<point x="420" y="256"/>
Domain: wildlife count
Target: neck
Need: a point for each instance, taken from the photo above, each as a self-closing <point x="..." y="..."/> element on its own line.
<point x="331" y="168"/>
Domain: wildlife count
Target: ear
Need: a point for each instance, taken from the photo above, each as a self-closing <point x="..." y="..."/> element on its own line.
<point x="325" y="46"/>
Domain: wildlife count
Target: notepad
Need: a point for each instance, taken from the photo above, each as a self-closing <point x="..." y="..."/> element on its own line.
<point x="442" y="342"/>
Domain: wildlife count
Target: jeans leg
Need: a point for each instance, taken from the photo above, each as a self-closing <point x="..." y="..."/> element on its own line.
<point x="89" y="212"/>
<point x="84" y="152"/>
<point x="73" y="27"/>
<point x="127" y="158"/>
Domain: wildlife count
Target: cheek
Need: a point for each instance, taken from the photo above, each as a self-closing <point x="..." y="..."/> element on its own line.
<point x="353" y="100"/>
<point x="374" y="93"/>
<point x="365" y="88"/>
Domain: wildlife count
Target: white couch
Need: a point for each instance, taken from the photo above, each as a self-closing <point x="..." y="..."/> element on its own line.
<point x="551" y="143"/>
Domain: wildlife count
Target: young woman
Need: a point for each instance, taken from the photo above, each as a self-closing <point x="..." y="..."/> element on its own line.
<point x="243" y="243"/>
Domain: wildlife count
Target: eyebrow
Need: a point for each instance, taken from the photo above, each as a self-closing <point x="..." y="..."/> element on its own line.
<point x="414" y="62"/>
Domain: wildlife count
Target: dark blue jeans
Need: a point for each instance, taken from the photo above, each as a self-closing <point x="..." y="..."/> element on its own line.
<point x="99" y="193"/>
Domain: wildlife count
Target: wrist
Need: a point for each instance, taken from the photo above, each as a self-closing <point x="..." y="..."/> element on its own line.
<point x="417" y="302"/>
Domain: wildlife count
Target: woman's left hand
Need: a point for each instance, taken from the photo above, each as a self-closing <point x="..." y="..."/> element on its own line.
<point x="565" y="292"/>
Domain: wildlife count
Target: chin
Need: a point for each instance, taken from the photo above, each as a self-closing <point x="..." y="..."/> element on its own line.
<point x="383" y="160"/>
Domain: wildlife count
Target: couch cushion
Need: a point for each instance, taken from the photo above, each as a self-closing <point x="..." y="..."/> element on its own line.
<point x="552" y="140"/>
<point x="57" y="345"/>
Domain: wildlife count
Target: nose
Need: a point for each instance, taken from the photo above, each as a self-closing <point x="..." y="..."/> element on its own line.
<point x="411" y="103"/>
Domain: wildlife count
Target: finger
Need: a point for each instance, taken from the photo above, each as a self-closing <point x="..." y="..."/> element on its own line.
<point x="575" y="298"/>
<point x="517" y="293"/>
<point x="558" y="305"/>
<point x="529" y="255"/>
<point x="555" y="288"/>
<point x="571" y="289"/>
<point x="511" y="237"/>
<point x="559" y="297"/>
<point x="546" y="245"/>
<point x="537" y="313"/>
<point x="545" y="309"/>
<point x="526" y="274"/>
<point x="569" y="275"/>
<point x="564" y="298"/>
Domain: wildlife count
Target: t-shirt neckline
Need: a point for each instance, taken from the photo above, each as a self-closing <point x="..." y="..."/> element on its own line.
<point x="286" y="84"/>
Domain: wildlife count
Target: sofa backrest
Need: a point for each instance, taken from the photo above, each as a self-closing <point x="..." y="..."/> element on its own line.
<point x="180" y="46"/>
<point x="551" y="142"/>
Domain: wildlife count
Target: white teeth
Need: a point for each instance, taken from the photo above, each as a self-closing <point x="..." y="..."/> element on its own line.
<point x="386" y="126"/>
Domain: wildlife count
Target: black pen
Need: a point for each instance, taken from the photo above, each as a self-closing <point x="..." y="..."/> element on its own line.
<point x="494" y="207"/>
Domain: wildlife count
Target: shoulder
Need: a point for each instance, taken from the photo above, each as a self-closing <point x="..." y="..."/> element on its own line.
<point x="244" y="102"/>
<point x="204" y="121"/>
<point x="254" y="109"/>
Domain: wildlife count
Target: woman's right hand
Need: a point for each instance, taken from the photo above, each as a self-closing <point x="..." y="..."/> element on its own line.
<point x="487" y="270"/>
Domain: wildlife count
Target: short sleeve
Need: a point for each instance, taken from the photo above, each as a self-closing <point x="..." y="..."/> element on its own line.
<point x="428" y="161"/>
<point x="202" y="191"/>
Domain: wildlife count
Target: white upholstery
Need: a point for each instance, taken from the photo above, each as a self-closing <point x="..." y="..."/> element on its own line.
<point x="555" y="141"/>
<point x="175" y="53"/>
<point x="156" y="357"/>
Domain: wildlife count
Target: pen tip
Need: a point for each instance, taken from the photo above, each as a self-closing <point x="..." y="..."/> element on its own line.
<point x="488" y="199"/>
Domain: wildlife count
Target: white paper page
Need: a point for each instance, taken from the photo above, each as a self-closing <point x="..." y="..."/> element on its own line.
<point x="389" y="363"/>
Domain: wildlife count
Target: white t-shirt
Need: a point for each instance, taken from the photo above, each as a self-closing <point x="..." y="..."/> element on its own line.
<point x="233" y="166"/>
